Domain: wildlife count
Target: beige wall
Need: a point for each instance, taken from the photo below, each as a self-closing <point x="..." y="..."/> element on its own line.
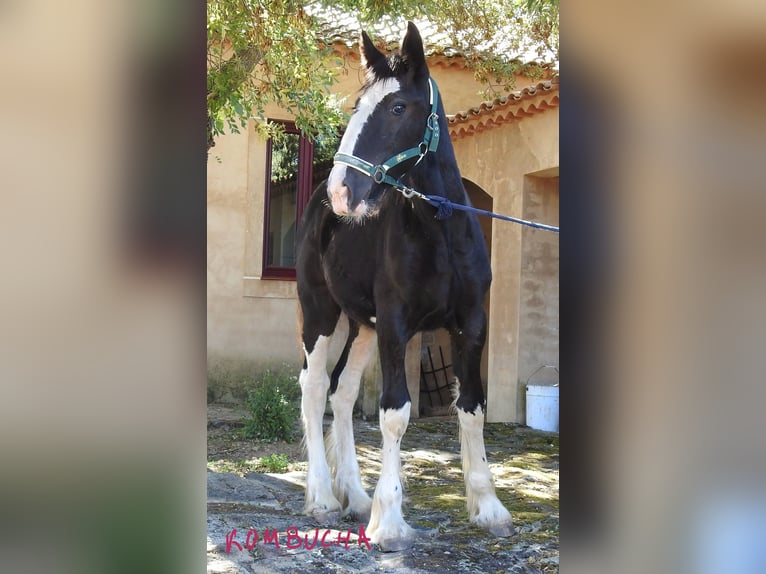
<point x="539" y="298"/>
<point x="240" y="327"/>
<point x="498" y="160"/>
<point x="254" y="320"/>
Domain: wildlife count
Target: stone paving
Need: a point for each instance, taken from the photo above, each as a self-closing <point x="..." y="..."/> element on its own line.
<point x="524" y="463"/>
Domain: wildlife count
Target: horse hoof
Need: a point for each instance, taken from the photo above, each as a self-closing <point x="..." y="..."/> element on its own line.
<point x="326" y="517"/>
<point x="395" y="544"/>
<point x="502" y="530"/>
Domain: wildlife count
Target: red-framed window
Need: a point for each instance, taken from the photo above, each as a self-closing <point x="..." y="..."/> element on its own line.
<point x="295" y="165"/>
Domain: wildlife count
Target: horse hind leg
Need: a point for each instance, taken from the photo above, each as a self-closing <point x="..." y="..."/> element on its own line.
<point x="484" y="508"/>
<point x="341" y="452"/>
<point x="314" y="381"/>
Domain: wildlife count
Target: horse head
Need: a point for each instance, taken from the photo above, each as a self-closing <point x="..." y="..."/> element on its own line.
<point x="390" y="116"/>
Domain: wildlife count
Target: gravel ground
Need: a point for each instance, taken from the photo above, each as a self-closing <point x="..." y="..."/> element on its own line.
<point x="523" y="461"/>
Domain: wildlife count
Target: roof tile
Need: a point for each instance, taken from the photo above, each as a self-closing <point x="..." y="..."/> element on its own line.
<point x="338" y="26"/>
<point x="503" y="109"/>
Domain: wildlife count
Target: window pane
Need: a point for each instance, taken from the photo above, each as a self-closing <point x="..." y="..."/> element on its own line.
<point x="283" y="194"/>
<point x="324" y="151"/>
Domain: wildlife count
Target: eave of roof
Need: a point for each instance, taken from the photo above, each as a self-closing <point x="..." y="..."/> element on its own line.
<point x="514" y="106"/>
<point x="343" y="28"/>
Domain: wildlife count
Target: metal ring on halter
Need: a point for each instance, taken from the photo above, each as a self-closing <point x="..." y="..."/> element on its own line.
<point x="379" y="175"/>
<point x="433" y="121"/>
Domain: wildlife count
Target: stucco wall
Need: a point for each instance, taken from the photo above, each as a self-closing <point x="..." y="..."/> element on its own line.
<point x="239" y="327"/>
<point x="497" y="160"/>
<point x="539" y="299"/>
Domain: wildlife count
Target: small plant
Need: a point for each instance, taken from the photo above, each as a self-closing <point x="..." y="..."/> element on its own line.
<point x="273" y="463"/>
<point x="273" y="408"/>
<point x="277" y="463"/>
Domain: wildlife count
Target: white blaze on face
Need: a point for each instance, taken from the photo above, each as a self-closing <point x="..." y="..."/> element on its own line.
<point x="365" y="107"/>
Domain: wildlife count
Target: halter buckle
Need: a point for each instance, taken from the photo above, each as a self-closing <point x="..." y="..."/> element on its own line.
<point x="379" y="174"/>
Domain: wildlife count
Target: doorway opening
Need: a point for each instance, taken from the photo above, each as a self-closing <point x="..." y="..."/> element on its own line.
<point x="436" y="374"/>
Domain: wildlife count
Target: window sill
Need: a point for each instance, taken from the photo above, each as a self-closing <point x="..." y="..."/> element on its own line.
<point x="269" y="288"/>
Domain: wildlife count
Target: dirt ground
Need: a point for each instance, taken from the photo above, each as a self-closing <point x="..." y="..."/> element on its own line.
<point x="243" y="498"/>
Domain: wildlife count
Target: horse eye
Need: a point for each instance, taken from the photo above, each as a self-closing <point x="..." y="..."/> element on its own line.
<point x="398" y="109"/>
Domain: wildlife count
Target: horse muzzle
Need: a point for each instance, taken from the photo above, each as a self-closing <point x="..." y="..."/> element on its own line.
<point x="341" y="202"/>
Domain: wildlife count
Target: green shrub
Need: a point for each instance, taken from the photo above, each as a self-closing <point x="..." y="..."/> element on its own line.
<point x="277" y="463"/>
<point x="273" y="405"/>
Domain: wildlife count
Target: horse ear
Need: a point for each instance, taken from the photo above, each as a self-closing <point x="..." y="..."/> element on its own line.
<point x="371" y="56"/>
<point x="412" y="51"/>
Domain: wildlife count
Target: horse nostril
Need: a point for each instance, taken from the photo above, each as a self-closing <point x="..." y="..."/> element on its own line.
<point x="339" y="197"/>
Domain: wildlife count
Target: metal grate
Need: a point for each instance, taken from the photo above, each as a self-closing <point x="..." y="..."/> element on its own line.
<point x="435" y="383"/>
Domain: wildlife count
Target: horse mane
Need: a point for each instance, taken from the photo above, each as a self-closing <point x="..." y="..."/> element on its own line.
<point x="392" y="66"/>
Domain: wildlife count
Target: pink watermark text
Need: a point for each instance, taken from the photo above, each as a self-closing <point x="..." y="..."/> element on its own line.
<point x="293" y="539"/>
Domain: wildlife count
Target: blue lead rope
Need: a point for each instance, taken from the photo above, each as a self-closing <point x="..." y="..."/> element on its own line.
<point x="444" y="209"/>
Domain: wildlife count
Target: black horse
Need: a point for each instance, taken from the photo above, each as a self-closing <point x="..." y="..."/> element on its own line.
<point x="367" y="251"/>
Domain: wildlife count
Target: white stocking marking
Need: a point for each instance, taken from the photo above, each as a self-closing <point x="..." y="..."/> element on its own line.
<point x="386" y="521"/>
<point x="484" y="508"/>
<point x="347" y="483"/>
<point x="314" y="384"/>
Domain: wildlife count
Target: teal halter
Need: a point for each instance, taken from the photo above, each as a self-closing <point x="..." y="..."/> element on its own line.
<point x="379" y="173"/>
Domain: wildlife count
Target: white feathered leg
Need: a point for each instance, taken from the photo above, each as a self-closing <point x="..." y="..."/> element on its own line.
<point x="314" y="381"/>
<point x="387" y="526"/>
<point x="484" y="508"/>
<point x="347" y="481"/>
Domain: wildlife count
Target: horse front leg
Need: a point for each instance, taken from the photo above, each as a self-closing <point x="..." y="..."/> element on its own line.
<point x="320" y="500"/>
<point x="344" y="388"/>
<point x="484" y="508"/>
<point x="387" y="527"/>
